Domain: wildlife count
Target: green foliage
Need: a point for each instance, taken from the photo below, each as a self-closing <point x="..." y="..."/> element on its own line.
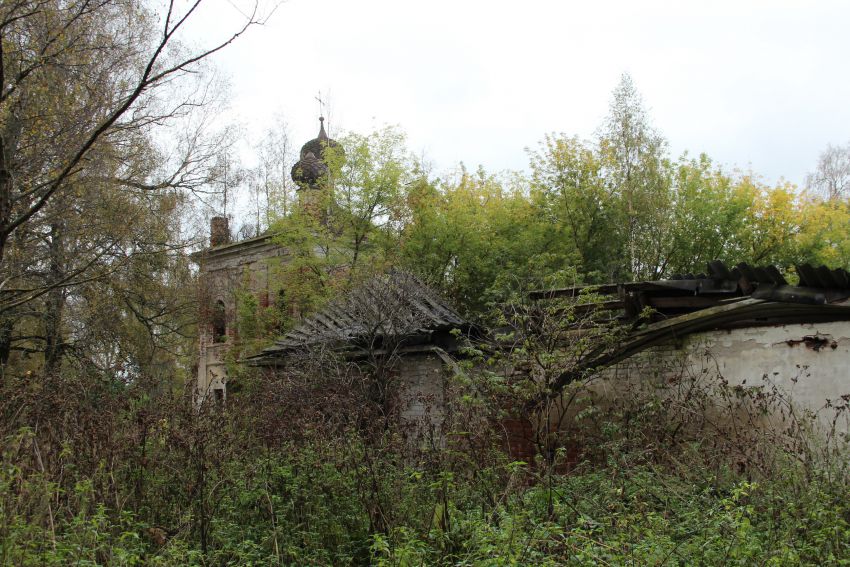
<point x="347" y="228"/>
<point x="575" y="207"/>
<point x="305" y="510"/>
<point x="302" y="496"/>
<point x="103" y="462"/>
<point x="464" y="235"/>
<point x="824" y="236"/>
<point x="615" y="209"/>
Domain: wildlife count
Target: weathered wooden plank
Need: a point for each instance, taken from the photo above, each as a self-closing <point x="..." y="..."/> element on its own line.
<point x="681" y="302"/>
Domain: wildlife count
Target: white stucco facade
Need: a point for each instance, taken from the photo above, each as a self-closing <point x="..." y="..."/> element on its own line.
<point x="807" y="364"/>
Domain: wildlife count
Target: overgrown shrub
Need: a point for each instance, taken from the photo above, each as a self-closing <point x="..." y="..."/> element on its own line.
<point x="297" y="469"/>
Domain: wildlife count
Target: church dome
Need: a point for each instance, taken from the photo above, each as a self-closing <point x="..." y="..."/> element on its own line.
<point x="317" y="145"/>
<point x="311" y="167"/>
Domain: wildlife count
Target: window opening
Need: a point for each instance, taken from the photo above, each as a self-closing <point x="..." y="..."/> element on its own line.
<point x="219" y="322"/>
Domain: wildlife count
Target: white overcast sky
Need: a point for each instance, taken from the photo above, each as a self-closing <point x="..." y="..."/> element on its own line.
<point x="760" y="85"/>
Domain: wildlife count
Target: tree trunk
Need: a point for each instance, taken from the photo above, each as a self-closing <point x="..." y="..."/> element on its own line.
<point x="5" y="198"/>
<point x="6" y="326"/>
<point x="8" y="146"/>
<point x="55" y="302"/>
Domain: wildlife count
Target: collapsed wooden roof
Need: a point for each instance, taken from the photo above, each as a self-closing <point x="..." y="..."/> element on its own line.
<point x="744" y="296"/>
<point x="394" y="307"/>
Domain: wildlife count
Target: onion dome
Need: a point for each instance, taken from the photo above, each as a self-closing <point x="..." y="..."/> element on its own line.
<point x="311" y="167"/>
<point x="309" y="170"/>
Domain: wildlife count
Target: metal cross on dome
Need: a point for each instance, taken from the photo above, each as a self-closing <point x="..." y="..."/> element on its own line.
<point x="321" y="104"/>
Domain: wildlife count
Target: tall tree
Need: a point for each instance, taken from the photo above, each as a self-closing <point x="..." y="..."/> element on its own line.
<point x="707" y="217"/>
<point x="577" y="206"/>
<point x="824" y="236"/>
<point x="90" y="190"/>
<point x="76" y="77"/>
<point x="348" y="226"/>
<point x="634" y="159"/>
<point x="276" y="158"/>
<point x="473" y="233"/>
<point x="831" y="177"/>
<point x="104" y="283"/>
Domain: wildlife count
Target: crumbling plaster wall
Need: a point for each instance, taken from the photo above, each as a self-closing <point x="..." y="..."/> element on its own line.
<point x="809" y="364"/>
<point x="422" y="383"/>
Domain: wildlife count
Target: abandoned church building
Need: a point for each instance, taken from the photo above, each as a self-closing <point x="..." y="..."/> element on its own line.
<point x="745" y="323"/>
<point x="228" y="268"/>
<point x="392" y="315"/>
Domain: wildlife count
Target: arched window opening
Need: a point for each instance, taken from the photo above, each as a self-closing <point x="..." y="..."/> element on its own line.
<point x="219" y="322"/>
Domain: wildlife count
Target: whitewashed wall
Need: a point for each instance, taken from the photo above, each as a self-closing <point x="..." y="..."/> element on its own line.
<point x="808" y="363"/>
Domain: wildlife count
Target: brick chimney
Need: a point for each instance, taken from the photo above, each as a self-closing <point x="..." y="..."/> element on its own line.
<point x="219" y="231"/>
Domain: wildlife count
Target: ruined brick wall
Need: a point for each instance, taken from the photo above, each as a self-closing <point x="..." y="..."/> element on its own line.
<point x="224" y="272"/>
<point x="422" y="396"/>
<point x="519" y="436"/>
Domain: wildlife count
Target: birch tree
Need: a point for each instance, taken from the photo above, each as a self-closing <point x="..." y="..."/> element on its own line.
<point x="78" y="78"/>
<point x="831" y="178"/>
